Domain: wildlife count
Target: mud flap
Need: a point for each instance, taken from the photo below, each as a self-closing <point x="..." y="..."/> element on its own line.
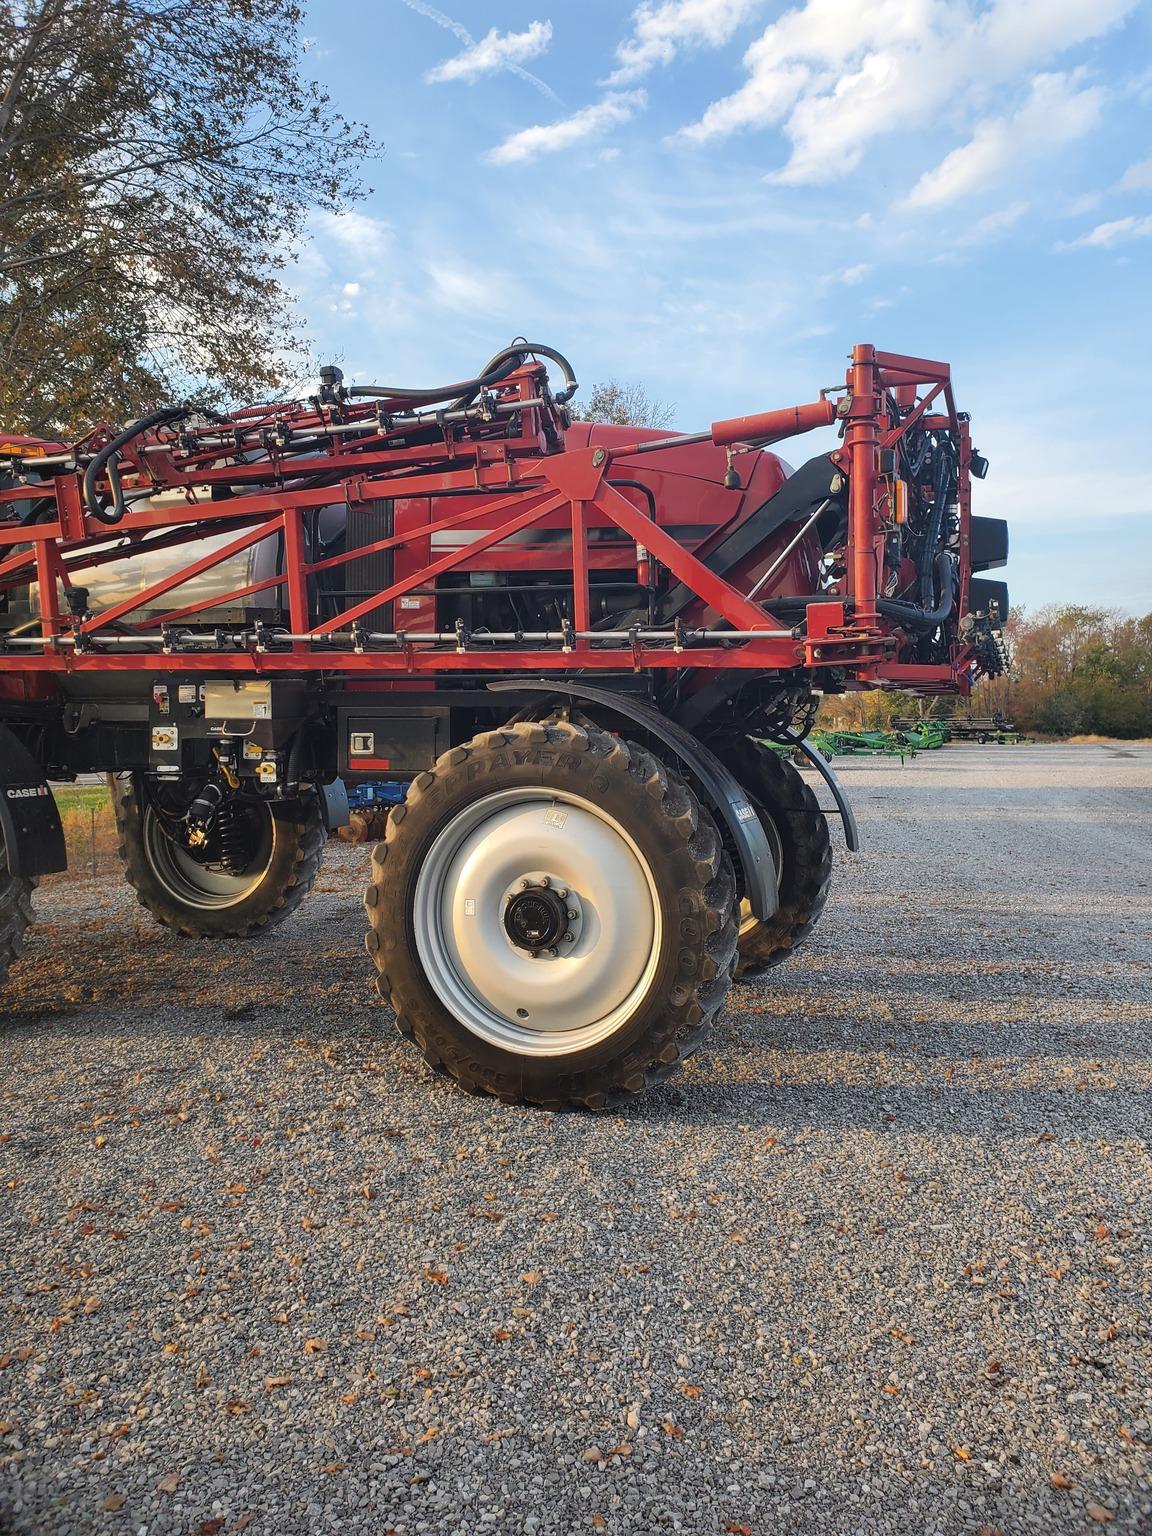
<point x="29" y="820"/>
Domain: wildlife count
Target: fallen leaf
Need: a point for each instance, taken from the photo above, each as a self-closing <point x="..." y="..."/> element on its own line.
<point x="672" y="1430"/>
<point x="502" y="1335"/>
<point x="532" y="1276"/>
<point x="1098" y="1513"/>
<point x="113" y="1502"/>
<point x="315" y="1346"/>
<point x="276" y="1381"/>
<point x="210" y="1527"/>
<point x="962" y="1453"/>
<point x="436" y="1276"/>
<point x="92" y="1305"/>
<point x="169" y="1483"/>
<point x="429" y="1434"/>
<point x="598" y="1521"/>
<point x="333" y="1467"/>
<point x="738" y="1530"/>
<point x="1061" y="1480"/>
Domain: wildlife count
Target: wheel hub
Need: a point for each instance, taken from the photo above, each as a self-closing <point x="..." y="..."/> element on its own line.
<point x="536" y="918"/>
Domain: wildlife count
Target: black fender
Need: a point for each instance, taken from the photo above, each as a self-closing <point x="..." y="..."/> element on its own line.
<point x="824" y="769"/>
<point x="33" y="836"/>
<point x="715" y="784"/>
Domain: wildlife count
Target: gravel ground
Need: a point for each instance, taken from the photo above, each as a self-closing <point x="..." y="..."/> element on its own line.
<point x="878" y="1262"/>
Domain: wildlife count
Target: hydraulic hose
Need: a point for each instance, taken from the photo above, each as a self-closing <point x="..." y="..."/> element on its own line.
<point x="892" y="608"/>
<point x="494" y="372"/>
<point x="110" y="451"/>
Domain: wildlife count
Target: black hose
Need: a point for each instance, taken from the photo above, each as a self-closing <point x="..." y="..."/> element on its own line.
<point x="463" y="391"/>
<point x="941" y="496"/>
<point x="119" y="506"/>
<point x="892" y="608"/>
<point x="494" y="372"/>
<point x="924" y="618"/>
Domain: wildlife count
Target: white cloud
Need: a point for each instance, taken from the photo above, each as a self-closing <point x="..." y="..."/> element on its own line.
<point x="1138" y="177"/>
<point x="495" y="51"/>
<point x="1054" y="113"/>
<point x="659" y="31"/>
<point x="547" y="138"/>
<point x="369" y="239"/>
<point x="838" y="76"/>
<point x="352" y="290"/>
<point x="853" y="275"/>
<point x="1114" y="232"/>
<point x="472" y="47"/>
<point x="465" y="289"/>
<point x="993" y="224"/>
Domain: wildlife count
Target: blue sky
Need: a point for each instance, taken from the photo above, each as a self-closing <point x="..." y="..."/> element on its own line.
<point x="718" y="197"/>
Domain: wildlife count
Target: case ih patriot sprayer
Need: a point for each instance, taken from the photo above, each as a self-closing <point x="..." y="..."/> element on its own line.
<point x="569" y="641"/>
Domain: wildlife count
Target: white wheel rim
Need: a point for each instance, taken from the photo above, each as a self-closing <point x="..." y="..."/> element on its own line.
<point x="553" y="1004"/>
<point x="195" y="885"/>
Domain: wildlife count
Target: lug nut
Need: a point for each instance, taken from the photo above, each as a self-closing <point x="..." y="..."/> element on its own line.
<point x="569" y="938"/>
<point x="553" y="951"/>
<point x="544" y="881"/>
<point x="571" y="917"/>
<point x="563" y="894"/>
<point x="524" y="884"/>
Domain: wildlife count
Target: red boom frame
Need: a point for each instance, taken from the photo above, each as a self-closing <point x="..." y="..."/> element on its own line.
<point x="523" y="481"/>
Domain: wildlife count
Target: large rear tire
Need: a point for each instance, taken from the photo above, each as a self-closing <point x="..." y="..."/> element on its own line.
<point x="798" y="831"/>
<point x="200" y="902"/>
<point x="552" y="916"/>
<point x="15" y="914"/>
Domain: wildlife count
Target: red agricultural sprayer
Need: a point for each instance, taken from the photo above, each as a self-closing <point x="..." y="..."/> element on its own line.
<point x="567" y="643"/>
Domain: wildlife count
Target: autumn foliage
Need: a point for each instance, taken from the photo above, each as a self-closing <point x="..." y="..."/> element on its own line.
<point x="1074" y="671"/>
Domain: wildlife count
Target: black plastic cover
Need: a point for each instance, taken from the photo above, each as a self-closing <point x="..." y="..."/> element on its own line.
<point x="989" y="546"/>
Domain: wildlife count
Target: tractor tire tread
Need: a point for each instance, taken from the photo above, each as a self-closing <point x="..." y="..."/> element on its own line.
<point x="778" y="789"/>
<point x="692" y="1003"/>
<point x="16" y="917"/>
<point x="307" y="854"/>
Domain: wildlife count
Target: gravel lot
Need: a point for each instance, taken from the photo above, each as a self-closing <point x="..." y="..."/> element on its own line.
<point x="879" y="1262"/>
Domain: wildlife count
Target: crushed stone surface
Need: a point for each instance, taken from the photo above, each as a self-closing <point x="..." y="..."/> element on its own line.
<point x="877" y="1262"/>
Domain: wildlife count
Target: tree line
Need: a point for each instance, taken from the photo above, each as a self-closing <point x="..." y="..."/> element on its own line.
<point x="1073" y="671"/>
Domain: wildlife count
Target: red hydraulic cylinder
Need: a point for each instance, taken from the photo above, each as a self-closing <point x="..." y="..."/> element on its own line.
<point x="771" y="426"/>
<point x="861" y="441"/>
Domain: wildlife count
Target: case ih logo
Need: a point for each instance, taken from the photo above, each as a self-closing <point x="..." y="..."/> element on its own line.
<point x="32" y="792"/>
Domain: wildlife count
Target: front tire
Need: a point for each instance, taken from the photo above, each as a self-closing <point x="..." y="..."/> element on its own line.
<point x="797" y="829"/>
<point x="552" y="916"/>
<point x="199" y="902"/>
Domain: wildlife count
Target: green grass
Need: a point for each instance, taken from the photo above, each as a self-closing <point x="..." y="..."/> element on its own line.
<point x="80" y="797"/>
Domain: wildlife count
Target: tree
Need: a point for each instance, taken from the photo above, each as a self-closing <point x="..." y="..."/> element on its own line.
<point x="157" y="159"/>
<point x="625" y="405"/>
<point x="1075" y="669"/>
